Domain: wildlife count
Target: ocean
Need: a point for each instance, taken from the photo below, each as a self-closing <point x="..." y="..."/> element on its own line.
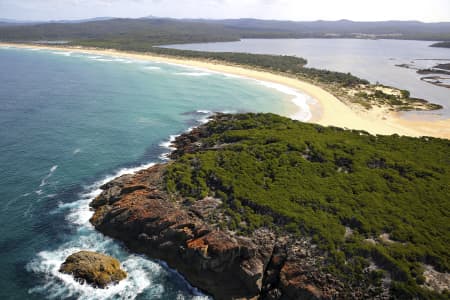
<point x="70" y="122"/>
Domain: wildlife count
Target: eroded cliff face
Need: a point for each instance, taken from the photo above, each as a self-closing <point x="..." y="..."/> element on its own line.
<point x="137" y="210"/>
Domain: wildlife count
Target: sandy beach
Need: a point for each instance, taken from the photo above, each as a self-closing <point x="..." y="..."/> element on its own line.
<point x="331" y="110"/>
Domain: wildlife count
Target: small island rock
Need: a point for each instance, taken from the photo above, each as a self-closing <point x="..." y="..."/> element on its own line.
<point x="96" y="269"/>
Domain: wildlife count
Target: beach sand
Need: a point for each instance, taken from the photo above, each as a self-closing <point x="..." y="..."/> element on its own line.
<point x="332" y="111"/>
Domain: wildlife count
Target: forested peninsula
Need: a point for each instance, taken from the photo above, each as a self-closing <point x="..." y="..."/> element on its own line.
<point x="441" y="45"/>
<point x="258" y="205"/>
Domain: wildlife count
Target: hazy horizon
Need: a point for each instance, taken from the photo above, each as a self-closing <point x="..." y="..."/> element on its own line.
<point x="287" y="10"/>
<point x="2" y="19"/>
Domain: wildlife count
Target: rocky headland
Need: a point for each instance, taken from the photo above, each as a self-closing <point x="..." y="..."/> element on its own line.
<point x="165" y="213"/>
<point x="137" y="210"/>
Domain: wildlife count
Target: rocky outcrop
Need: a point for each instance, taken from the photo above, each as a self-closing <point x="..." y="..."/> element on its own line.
<point x="137" y="210"/>
<point x="96" y="269"/>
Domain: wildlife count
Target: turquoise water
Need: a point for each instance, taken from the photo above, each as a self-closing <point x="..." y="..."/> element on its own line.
<point x="71" y="121"/>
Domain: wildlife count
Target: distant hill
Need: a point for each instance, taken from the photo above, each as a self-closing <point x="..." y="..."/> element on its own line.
<point x="344" y="27"/>
<point x="394" y="29"/>
<point x="12" y="22"/>
<point x="150" y="31"/>
<point x="157" y="31"/>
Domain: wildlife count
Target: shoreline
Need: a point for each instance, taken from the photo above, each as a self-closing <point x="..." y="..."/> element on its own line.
<point x="331" y="112"/>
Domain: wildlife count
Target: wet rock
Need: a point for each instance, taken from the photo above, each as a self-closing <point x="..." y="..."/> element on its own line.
<point x="96" y="269"/>
<point x="150" y="222"/>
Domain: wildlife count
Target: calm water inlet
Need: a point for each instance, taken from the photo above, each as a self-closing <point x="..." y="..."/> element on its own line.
<point x="374" y="60"/>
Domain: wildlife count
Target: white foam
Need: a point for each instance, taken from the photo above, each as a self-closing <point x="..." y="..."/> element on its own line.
<point x="60" y="286"/>
<point x="201" y="111"/>
<point x="44" y="180"/>
<point x="48" y="262"/>
<point x="141" y="271"/>
<point x="122" y="60"/>
<point x="151" y="68"/>
<point x="301" y="100"/>
<point x="203" y="120"/>
<point x="64" y="53"/>
<point x="193" y="74"/>
<point x="103" y="59"/>
<point x="168" y="143"/>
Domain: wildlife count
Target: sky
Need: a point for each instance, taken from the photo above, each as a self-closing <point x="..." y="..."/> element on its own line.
<point x="297" y="10"/>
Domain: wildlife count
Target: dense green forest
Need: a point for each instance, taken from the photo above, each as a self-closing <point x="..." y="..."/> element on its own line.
<point x="122" y="31"/>
<point x="158" y="31"/>
<point x="362" y="198"/>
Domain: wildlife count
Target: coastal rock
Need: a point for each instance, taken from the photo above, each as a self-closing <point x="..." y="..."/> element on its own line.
<point x="96" y="269"/>
<point x="138" y="211"/>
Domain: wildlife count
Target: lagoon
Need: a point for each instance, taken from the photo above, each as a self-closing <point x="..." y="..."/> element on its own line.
<point x="374" y="60"/>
